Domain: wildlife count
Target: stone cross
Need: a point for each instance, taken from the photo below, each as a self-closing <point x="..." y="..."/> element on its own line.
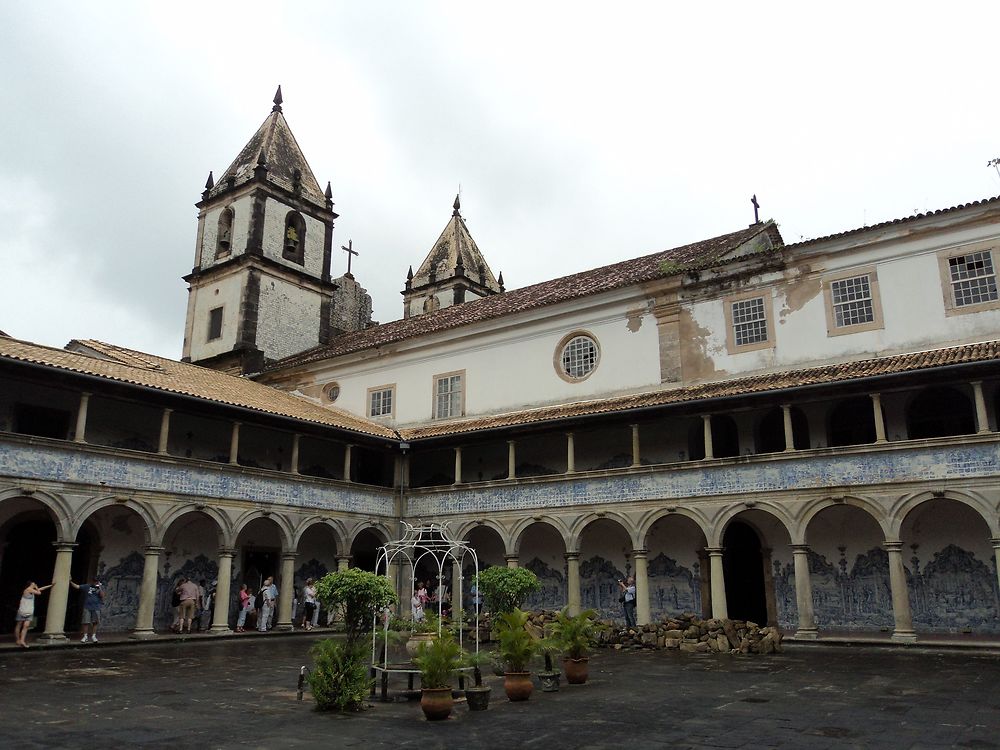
<point x="349" y="249"/>
<point x="756" y="206"/>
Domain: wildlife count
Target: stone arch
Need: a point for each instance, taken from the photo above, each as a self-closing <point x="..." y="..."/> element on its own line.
<point x="367" y="559"/>
<point x="580" y="524"/>
<point x="540" y="546"/>
<point x="224" y="527"/>
<point x="814" y="507"/>
<point x="727" y="515"/>
<point x="284" y="524"/>
<point x="677" y="565"/>
<point x="377" y="527"/>
<point x="489" y="543"/>
<point x="141" y="509"/>
<point x="56" y="506"/>
<point x="752" y="540"/>
<point x="647" y="521"/>
<point x="464" y="529"/>
<point x="335" y="525"/>
<point x="605" y="545"/>
<point x="907" y="503"/>
<point x="517" y="533"/>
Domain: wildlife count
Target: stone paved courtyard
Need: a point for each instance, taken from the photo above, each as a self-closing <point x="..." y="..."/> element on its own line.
<point x="241" y="693"/>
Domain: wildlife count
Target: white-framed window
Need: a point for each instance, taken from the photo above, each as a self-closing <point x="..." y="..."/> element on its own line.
<point x="381" y="401"/>
<point x="449" y="395"/>
<point x="576" y="357"/>
<point x="973" y="278"/>
<point x="852" y="301"/>
<point x="749" y="321"/>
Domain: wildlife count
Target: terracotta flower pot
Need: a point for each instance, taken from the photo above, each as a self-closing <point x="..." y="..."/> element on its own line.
<point x="576" y="670"/>
<point x="436" y="703"/>
<point x="517" y="685"/>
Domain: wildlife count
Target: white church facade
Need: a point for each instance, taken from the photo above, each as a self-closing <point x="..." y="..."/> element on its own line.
<point x="800" y="434"/>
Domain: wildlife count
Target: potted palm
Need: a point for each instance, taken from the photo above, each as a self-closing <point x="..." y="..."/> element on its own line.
<point x="437" y="662"/>
<point x="477" y="695"/>
<point x="549" y="679"/>
<point x="575" y="634"/>
<point x="516" y="647"/>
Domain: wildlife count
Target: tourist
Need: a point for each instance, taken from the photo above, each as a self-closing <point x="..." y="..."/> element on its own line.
<point x="175" y="602"/>
<point x="417" y="606"/>
<point x="295" y="604"/>
<point x="188" y="591"/>
<point x="273" y="591"/>
<point x="308" y="604"/>
<point x="627" y="599"/>
<point x="93" y="598"/>
<point x="206" y="595"/>
<point x="26" y="611"/>
<point x="422" y="593"/>
<point x="267" y="604"/>
<point x="246" y="607"/>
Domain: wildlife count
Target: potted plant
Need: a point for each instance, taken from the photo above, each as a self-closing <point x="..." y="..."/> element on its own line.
<point x="477" y="695"/>
<point x="574" y="635"/>
<point x="437" y="661"/>
<point x="421" y="632"/>
<point x="516" y="647"/>
<point x="549" y="679"/>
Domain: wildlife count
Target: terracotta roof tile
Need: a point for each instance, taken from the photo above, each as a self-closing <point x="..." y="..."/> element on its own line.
<point x="981" y="352"/>
<point x="638" y="270"/>
<point x="128" y="366"/>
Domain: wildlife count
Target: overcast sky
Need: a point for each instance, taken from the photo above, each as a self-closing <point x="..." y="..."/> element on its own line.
<point x="581" y="134"/>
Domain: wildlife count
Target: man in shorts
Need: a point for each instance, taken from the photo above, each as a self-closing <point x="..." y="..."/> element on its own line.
<point x="189" y="604"/>
<point x="93" y="598"/>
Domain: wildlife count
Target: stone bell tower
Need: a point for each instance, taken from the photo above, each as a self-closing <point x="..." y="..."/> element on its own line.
<point x="260" y="289"/>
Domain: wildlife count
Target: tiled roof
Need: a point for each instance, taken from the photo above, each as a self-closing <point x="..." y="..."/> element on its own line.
<point x="455" y="242"/>
<point x="615" y="276"/>
<point x="127" y="366"/>
<point x="981" y="352"/>
<point x="894" y="222"/>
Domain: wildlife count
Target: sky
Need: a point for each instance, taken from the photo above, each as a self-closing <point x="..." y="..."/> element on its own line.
<point x="580" y="133"/>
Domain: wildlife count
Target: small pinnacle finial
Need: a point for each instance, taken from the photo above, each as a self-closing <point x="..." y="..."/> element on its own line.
<point x="210" y="182"/>
<point x="328" y="192"/>
<point x="459" y="264"/>
<point x="277" y="100"/>
<point x="457" y="205"/>
<point x="261" y="161"/>
<point x="409" y="274"/>
<point x="500" y="281"/>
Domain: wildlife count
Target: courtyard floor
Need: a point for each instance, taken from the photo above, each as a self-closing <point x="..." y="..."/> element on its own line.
<point x="242" y="693"/>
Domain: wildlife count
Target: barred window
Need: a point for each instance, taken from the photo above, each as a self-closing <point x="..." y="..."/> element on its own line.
<point x="579" y="356"/>
<point x="852" y="301"/>
<point x="749" y="321"/>
<point x="380" y="402"/>
<point x="972" y="278"/>
<point x="448" y="396"/>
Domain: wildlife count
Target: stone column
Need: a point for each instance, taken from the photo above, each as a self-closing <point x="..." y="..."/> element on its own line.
<point x="511" y="460"/>
<point x="81" y="419"/>
<point x="285" y="591"/>
<point x="570" y="454"/>
<point x="55" y="615"/>
<point x="512" y="560"/>
<point x="343" y="562"/>
<point x="995" y="541"/>
<point x="220" y="615"/>
<point x="573" y="582"/>
<point x="458" y="464"/>
<point x="786" y="413"/>
<point x="164" y="431"/>
<point x="641" y="587"/>
<point x="457" y="587"/>
<point x="707" y="420"/>
<point x="147" y="594"/>
<point x="803" y="593"/>
<point x="720" y="610"/>
<point x="636" y="457"/>
<point x="347" y="462"/>
<point x="234" y="445"/>
<point x="982" y="420"/>
<point x="903" y="631"/>
<point x="294" y="468"/>
<point x="879" y="421"/>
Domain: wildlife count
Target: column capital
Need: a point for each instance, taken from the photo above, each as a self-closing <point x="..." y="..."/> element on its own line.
<point x="875" y="395"/>
<point x="643" y="553"/>
<point x="63" y="546"/>
<point x="800" y="549"/>
<point x="227" y="551"/>
<point x="786" y="407"/>
<point x="86" y="394"/>
<point x="285" y="556"/>
<point x="511" y="442"/>
<point x="153" y="549"/>
<point x="343" y="558"/>
<point x="893" y="545"/>
<point x="715" y="551"/>
<point x="995" y="541"/>
<point x="976" y="383"/>
<point x="516" y="558"/>
<point x="167" y="410"/>
<point x="568" y="556"/>
<point x="235" y="422"/>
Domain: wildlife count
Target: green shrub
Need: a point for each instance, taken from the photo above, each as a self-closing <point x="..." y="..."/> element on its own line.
<point x="339" y="679"/>
<point x="438" y="660"/>
<point x="505" y="589"/>
<point x="574" y="634"/>
<point x="516" y="646"/>
<point x="361" y="594"/>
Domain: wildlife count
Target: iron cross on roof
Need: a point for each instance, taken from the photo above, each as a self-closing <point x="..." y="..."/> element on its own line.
<point x="349" y="249"/>
<point x="756" y="207"/>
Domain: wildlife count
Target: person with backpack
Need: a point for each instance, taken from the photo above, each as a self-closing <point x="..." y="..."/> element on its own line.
<point x="265" y="604"/>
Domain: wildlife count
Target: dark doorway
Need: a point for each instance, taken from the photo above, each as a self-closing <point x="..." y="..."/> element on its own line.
<point x="743" y="564"/>
<point x="725" y="438"/>
<point x="364" y="551"/>
<point x="770" y="434"/>
<point x="28" y="556"/>
<point x="938" y="412"/>
<point x="258" y="564"/>
<point x="83" y="569"/>
<point x="852" y="422"/>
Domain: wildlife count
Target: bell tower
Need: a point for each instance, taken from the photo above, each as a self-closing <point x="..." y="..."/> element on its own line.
<point x="260" y="289"/>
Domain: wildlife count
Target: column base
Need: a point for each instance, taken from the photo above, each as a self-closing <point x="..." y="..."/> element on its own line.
<point x="284" y="627"/>
<point x="142" y="635"/>
<point x="220" y="630"/>
<point x="806" y="634"/>
<point x="904" y="636"/>
<point x="53" y="637"/>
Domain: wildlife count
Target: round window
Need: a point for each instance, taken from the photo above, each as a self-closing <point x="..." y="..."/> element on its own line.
<point x="579" y="357"/>
<point x="332" y="391"/>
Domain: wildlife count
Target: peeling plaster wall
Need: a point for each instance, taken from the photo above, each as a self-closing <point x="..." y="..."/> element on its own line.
<point x="288" y="321"/>
<point x="226" y="293"/>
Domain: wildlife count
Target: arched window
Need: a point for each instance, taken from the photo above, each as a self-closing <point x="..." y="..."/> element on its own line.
<point x="770" y="433"/>
<point x="725" y="438"/>
<point x="294" y="238"/>
<point x="937" y="412"/>
<point x="224" y="235"/>
<point x="852" y="422"/>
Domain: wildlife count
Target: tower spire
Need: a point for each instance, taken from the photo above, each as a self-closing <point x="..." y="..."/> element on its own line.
<point x="457" y="205"/>
<point x="277" y="100"/>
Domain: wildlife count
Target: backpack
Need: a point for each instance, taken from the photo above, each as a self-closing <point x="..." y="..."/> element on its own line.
<point x="258" y="602"/>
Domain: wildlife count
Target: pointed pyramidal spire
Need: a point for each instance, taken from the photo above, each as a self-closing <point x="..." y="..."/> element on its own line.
<point x="409" y="274"/>
<point x="500" y="281"/>
<point x="210" y="182"/>
<point x="261" y="160"/>
<point x="328" y="192"/>
<point x="277" y="100"/>
<point x="457" y="205"/>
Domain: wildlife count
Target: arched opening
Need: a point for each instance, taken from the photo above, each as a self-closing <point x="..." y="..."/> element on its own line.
<point x="294" y="242"/>
<point x="85" y="567"/>
<point x="27" y="533"/>
<point x="190" y="550"/>
<point x="951" y="575"/>
<point x="743" y="565"/>
<point x="677" y="568"/>
<point x="364" y="550"/>
<point x="938" y="412"/>
<point x="542" y="551"/>
<point x="852" y="422"/>
<point x="725" y="438"/>
<point x="770" y="433"/>
<point x="317" y="555"/>
<point x="224" y="235"/>
<point x="605" y="559"/>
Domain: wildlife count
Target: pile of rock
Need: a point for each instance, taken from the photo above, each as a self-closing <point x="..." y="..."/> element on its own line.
<point x="688" y="632"/>
<point x="538" y="619"/>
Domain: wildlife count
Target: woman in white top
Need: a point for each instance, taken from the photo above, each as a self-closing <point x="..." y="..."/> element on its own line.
<point x="308" y="603"/>
<point x="26" y="611"/>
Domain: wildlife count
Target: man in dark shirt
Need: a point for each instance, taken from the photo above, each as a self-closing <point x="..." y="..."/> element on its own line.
<point x="93" y="598"/>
